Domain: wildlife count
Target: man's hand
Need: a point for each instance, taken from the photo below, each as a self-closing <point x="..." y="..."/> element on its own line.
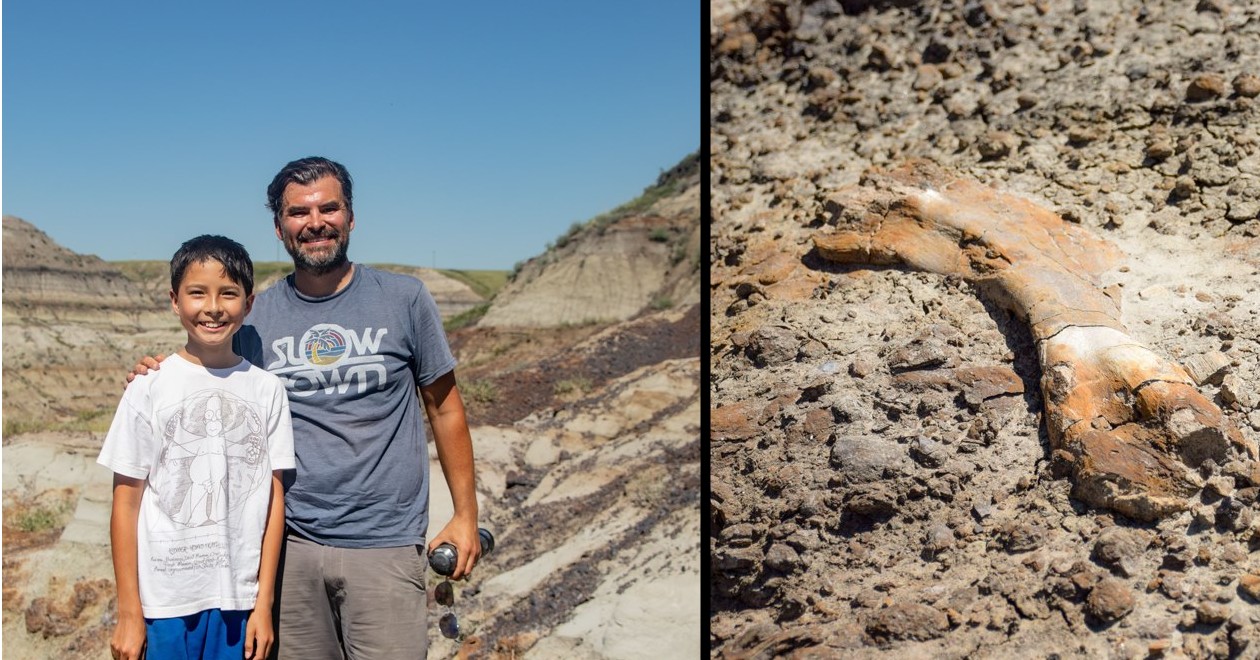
<point x="128" y="640"/>
<point x="260" y="635"/>
<point x="461" y="533"/>
<point x="143" y="366"/>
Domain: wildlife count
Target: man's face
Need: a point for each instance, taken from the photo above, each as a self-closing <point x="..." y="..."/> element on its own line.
<point x="315" y="225"/>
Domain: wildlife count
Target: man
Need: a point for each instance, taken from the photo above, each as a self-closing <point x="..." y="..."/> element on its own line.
<point x="352" y="344"/>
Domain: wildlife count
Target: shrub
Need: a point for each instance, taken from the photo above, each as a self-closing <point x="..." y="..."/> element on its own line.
<point x="577" y="385"/>
<point x="480" y="391"/>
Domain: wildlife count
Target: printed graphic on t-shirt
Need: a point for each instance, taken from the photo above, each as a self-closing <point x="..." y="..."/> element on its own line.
<point x="211" y="460"/>
<point x="328" y="358"/>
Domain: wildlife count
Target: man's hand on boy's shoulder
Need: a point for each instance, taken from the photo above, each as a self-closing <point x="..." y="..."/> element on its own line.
<point x="143" y="366"/>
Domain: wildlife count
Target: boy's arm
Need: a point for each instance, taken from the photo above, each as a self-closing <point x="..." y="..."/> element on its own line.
<point x="445" y="410"/>
<point x="260" y="634"/>
<point x="128" y="640"/>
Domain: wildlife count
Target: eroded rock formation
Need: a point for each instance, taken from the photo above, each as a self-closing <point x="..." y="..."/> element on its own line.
<point x="1128" y="424"/>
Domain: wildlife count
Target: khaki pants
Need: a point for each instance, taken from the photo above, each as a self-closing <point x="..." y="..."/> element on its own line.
<point x="351" y="603"/>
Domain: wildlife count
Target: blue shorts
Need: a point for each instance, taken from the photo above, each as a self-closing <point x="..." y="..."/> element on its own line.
<point x="206" y="634"/>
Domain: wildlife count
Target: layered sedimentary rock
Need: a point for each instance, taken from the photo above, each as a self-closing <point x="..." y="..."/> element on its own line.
<point x="1127" y="423"/>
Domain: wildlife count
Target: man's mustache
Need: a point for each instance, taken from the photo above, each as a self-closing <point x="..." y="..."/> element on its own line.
<point x="316" y="235"/>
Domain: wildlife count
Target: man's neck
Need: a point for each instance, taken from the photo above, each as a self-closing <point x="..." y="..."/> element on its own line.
<point x="319" y="286"/>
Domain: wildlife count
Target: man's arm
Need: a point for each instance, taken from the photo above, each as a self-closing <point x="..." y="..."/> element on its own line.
<point x="260" y="632"/>
<point x="128" y="640"/>
<point x="143" y="366"/>
<point x="445" y="410"/>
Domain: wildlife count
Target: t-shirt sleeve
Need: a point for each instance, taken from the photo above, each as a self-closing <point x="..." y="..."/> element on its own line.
<point x="280" y="430"/>
<point x="131" y="445"/>
<point x="433" y="354"/>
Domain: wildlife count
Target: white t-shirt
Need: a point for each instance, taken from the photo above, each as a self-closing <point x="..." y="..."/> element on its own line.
<point x="206" y="442"/>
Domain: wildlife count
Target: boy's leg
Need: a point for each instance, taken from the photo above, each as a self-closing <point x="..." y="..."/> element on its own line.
<point x="384" y="605"/>
<point x="224" y="634"/>
<point x="176" y="638"/>
<point x="307" y="623"/>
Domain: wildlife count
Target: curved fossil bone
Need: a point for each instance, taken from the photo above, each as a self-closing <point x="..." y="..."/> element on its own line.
<point x="1128" y="422"/>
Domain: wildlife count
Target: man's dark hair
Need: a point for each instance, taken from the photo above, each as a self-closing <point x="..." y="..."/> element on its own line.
<point x="233" y="256"/>
<point x="306" y="171"/>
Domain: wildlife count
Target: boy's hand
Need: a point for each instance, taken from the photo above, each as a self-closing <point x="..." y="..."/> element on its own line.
<point x="128" y="640"/>
<point x="143" y="366"/>
<point x="260" y="636"/>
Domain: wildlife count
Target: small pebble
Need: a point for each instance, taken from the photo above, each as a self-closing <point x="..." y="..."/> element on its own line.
<point x="1247" y="85"/>
<point x="1205" y="87"/>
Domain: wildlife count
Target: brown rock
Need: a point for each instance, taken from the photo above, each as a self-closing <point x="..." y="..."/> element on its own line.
<point x="1111" y="600"/>
<point x="1185" y="186"/>
<point x="777" y="268"/>
<point x="818" y="424"/>
<point x="861" y="367"/>
<point x="772" y="345"/>
<point x="1210" y="614"/>
<point x="1159" y="149"/>
<point x="908" y="621"/>
<point x="1247" y="85"/>
<point x="1079" y="135"/>
<point x="1118" y="547"/>
<point x="926" y="354"/>
<point x="927" y="77"/>
<point x="1250" y="585"/>
<point x="997" y="144"/>
<point x="732" y="422"/>
<point x="1205" y="87"/>
<point x="782" y="557"/>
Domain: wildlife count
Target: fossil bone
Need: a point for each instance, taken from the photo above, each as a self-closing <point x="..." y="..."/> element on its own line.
<point x="1128" y="424"/>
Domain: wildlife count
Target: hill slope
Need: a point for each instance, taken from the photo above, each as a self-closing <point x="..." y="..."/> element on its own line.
<point x="641" y="256"/>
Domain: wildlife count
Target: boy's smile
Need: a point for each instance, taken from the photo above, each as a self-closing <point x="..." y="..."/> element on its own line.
<point x="211" y="308"/>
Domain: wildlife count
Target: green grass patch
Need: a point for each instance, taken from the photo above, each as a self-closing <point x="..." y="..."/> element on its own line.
<point x="94" y="421"/>
<point x="485" y="283"/>
<point x="479" y="391"/>
<point x="572" y="386"/>
<point x="466" y="318"/>
<point x="41" y="519"/>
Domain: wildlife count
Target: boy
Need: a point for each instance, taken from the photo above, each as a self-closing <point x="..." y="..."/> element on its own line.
<point x="197" y="453"/>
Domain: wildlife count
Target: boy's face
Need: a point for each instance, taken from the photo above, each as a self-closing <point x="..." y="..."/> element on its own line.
<point x="210" y="305"/>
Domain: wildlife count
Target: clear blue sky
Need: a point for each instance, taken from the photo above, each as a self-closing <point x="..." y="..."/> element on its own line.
<point x="475" y="132"/>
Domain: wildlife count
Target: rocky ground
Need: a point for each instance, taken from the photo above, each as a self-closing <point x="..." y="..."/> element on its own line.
<point x="882" y="482"/>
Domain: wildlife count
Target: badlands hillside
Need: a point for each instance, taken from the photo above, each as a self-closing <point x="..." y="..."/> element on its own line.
<point x="586" y="435"/>
<point x="912" y="459"/>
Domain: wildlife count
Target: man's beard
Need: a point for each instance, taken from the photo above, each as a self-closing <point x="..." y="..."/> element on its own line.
<point x="323" y="262"/>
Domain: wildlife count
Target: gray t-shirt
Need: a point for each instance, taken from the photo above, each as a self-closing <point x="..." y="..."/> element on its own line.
<point x="351" y="363"/>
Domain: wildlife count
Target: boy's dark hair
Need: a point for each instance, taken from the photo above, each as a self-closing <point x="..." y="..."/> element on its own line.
<point x="307" y="171"/>
<point x="233" y="256"/>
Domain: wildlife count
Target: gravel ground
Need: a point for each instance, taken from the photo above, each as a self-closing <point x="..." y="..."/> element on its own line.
<point x="856" y="511"/>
